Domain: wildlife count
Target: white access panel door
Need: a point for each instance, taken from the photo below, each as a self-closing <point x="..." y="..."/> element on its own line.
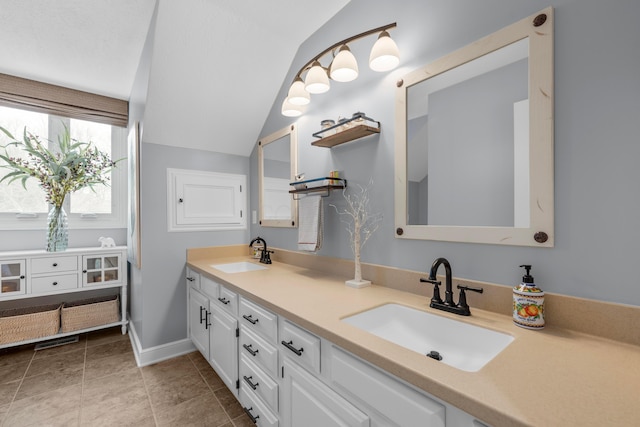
<point x="200" y="200"/>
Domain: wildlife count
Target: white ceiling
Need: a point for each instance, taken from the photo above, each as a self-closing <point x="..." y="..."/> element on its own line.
<point x="216" y="68"/>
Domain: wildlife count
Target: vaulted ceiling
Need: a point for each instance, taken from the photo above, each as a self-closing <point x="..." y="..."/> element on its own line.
<point x="216" y="65"/>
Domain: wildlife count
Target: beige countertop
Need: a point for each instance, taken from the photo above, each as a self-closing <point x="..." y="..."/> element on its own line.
<point x="551" y="377"/>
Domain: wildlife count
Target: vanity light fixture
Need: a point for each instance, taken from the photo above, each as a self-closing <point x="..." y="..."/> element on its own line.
<point x="343" y="68"/>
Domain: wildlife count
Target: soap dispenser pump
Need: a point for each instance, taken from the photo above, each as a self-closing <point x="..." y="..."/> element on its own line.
<point x="528" y="303"/>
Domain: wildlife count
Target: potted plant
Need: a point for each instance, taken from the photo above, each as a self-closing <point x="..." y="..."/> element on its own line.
<point x="72" y="166"/>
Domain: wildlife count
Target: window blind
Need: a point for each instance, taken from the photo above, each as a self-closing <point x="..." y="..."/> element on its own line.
<point x="41" y="97"/>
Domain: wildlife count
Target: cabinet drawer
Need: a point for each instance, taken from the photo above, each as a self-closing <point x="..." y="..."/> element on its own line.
<point x="259" y="351"/>
<point x="300" y="345"/>
<point x="54" y="264"/>
<point x="259" y="320"/>
<point x="258" y="411"/>
<point x="227" y="300"/>
<point x="54" y="283"/>
<point x="209" y="287"/>
<point x="193" y="279"/>
<point x="385" y="394"/>
<point x="251" y="376"/>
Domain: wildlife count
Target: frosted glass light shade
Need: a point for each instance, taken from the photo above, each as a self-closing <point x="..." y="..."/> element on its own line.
<point x="384" y="55"/>
<point x="344" y="67"/>
<point x="297" y="93"/>
<point x="292" y="110"/>
<point x="317" y="80"/>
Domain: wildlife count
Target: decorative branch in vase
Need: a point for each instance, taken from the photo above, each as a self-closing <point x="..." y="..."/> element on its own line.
<point x="361" y="224"/>
<point x="73" y="165"/>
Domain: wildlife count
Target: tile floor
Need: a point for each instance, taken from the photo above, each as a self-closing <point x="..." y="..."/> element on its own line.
<point x="96" y="382"/>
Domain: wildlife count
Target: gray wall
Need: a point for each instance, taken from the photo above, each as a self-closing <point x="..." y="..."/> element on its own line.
<point x="597" y="105"/>
<point x="158" y="305"/>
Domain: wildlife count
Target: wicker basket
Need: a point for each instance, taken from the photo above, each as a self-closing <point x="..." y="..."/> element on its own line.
<point x="21" y="324"/>
<point x="89" y="313"/>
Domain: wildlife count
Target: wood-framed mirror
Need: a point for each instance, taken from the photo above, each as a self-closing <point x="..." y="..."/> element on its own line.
<point x="474" y="141"/>
<point x="277" y="167"/>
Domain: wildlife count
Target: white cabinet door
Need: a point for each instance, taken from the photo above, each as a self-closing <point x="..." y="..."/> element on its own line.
<point x="102" y="269"/>
<point x="199" y="320"/>
<point x="201" y="200"/>
<point x="223" y="346"/>
<point x="306" y="401"/>
<point x="12" y="277"/>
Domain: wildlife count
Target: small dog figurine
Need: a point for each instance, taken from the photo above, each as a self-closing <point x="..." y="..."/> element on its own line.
<point x="107" y="242"/>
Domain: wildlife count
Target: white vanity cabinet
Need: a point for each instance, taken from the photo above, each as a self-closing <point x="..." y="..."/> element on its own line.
<point x="288" y="376"/>
<point x="223" y="346"/>
<point x="63" y="277"/>
<point x="306" y="401"/>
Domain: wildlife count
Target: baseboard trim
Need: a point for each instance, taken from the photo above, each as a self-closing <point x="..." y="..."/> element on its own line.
<point x="149" y="356"/>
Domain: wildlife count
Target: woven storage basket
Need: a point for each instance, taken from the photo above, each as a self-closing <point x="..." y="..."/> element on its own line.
<point x="89" y="313"/>
<point x="21" y="324"/>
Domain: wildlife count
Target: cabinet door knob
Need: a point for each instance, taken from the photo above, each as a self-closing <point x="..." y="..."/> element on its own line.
<point x="55" y="283"/>
<point x="84" y="271"/>
<point x="55" y="264"/>
<point x="22" y="277"/>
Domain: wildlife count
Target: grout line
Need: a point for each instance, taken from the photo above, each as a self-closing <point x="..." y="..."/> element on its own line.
<point x="213" y="392"/>
<point x="13" y="399"/>
<point x="84" y="375"/>
<point x="146" y="391"/>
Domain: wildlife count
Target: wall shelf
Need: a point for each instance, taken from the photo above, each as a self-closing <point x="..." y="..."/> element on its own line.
<point x="323" y="186"/>
<point x="361" y="126"/>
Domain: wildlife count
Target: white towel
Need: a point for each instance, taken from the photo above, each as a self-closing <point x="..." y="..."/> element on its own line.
<point x="310" y="226"/>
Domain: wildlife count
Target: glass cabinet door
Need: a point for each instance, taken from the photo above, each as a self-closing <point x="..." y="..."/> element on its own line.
<point x="101" y="269"/>
<point x="12" y="277"/>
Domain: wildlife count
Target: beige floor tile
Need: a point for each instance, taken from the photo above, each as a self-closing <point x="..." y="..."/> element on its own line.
<point x="203" y="410"/>
<point x="57" y="407"/>
<point x="61" y="349"/>
<point x="108" y="349"/>
<point x="48" y="382"/>
<point x="243" y="421"/>
<point x="212" y="379"/>
<point x="13" y="372"/>
<point x="167" y="370"/>
<point x="8" y="391"/>
<point x="176" y="390"/>
<point x="104" y="388"/>
<point x="11" y="356"/>
<point x="229" y="403"/>
<point x="129" y="406"/>
<point x="3" y="412"/>
<point x="59" y="362"/>
<point x="106" y="336"/>
<point x="109" y="365"/>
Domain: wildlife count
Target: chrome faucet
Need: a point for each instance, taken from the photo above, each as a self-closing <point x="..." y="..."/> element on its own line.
<point x="461" y="307"/>
<point x="265" y="258"/>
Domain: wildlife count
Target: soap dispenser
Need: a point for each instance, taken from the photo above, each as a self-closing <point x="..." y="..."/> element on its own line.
<point x="528" y="303"/>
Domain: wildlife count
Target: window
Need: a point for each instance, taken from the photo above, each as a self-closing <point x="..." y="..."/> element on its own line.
<point x="100" y="207"/>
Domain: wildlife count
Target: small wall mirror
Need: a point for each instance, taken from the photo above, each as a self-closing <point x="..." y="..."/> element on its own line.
<point x="474" y="141"/>
<point x="277" y="167"/>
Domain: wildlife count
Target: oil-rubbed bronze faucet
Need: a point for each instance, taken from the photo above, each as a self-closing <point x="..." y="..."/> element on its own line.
<point x="462" y="308"/>
<point x="265" y="256"/>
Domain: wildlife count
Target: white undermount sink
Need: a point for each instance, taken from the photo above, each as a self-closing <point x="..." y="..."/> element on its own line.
<point x="461" y="345"/>
<point x="238" y="267"/>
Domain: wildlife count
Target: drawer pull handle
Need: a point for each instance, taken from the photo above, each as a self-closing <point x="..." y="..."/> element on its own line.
<point x="250" y="350"/>
<point x="55" y="283"/>
<point x="250" y="319"/>
<point x="290" y="346"/>
<point x="55" y="264"/>
<point x="223" y="300"/>
<point x="248" y="412"/>
<point x="191" y="279"/>
<point x="201" y="310"/>
<point x="248" y="381"/>
<point x="206" y="319"/>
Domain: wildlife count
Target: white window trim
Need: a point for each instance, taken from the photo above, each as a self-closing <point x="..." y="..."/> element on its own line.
<point x="118" y="216"/>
